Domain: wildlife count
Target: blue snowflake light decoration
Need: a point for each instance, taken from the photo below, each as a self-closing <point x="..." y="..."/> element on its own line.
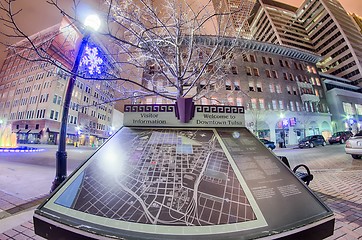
<point x="92" y="60"/>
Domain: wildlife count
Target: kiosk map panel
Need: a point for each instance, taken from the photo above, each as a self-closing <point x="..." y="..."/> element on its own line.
<point x="183" y="183"/>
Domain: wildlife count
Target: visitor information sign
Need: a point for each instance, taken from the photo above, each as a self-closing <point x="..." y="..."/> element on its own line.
<point x="186" y="182"/>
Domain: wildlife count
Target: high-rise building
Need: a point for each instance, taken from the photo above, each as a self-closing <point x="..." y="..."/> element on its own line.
<point x="278" y="23"/>
<point x="241" y="10"/>
<point x="321" y="26"/>
<point x="32" y="94"/>
<point x="358" y="20"/>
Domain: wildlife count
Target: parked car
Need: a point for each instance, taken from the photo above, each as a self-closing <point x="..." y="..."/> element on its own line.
<point x="354" y="146"/>
<point x="340" y="137"/>
<point x="268" y="144"/>
<point x="312" y="141"/>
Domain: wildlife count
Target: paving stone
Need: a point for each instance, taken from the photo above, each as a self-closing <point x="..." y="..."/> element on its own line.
<point x="11" y="233"/>
<point x="20" y="229"/>
<point x="3" y="236"/>
<point x="20" y="237"/>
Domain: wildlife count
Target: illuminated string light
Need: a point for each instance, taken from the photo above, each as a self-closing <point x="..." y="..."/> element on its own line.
<point x="92" y="60"/>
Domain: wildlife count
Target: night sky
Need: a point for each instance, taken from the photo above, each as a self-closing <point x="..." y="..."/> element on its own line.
<point x="37" y="15"/>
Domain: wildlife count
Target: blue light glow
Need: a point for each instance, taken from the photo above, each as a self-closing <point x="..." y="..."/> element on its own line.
<point x="91" y="60"/>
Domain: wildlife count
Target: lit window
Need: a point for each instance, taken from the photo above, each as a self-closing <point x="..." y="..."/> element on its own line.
<point x="253" y="103"/>
<point x="298" y="106"/>
<point x="274" y="102"/>
<point x="239" y="101"/>
<point x="261" y="103"/>
<point x="292" y="106"/>
<point x="281" y="105"/>
<point x="271" y="88"/>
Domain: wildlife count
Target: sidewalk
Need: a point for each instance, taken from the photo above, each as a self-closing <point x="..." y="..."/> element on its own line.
<point x="340" y="189"/>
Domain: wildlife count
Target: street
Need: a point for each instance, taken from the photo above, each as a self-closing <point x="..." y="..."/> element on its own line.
<point x="330" y="157"/>
<point x="37" y="167"/>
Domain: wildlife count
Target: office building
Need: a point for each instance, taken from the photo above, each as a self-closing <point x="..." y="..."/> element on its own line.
<point x="325" y="28"/>
<point x="320" y="26"/>
<point x="273" y="82"/>
<point x="32" y="95"/>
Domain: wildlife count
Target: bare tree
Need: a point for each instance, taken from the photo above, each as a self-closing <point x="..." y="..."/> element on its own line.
<point x="257" y="117"/>
<point x="173" y="49"/>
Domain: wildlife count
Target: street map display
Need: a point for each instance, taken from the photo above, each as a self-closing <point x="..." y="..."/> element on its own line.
<point x="183" y="183"/>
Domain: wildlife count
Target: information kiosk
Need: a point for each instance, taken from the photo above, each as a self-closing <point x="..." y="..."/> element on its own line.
<point x="204" y="177"/>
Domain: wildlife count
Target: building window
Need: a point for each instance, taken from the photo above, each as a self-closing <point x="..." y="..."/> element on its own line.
<point x="271" y="61"/>
<point x="274" y="103"/>
<point x="278" y="88"/>
<point x="312" y="80"/>
<point x="292" y="106"/>
<point x="271" y="88"/>
<point x="291" y="77"/>
<point x="285" y="75"/>
<point x="347" y="108"/>
<point x="295" y="91"/>
<point x="261" y="103"/>
<point x="267" y="73"/>
<point x="239" y="101"/>
<point x="289" y="90"/>
<point x="298" y="106"/>
<point x="317" y="81"/>
<point x="258" y="87"/>
<point x="253" y="103"/>
<point x="358" y="109"/>
<point x="264" y="60"/>
<point x="236" y="86"/>
<point x="252" y="58"/>
<point x="227" y="86"/>
<point x="56" y="115"/>
<point x="281" y="105"/>
<point x="251" y="87"/>
<point x="275" y="74"/>
<point x="256" y="71"/>
<point x="281" y="63"/>
<point x="248" y="71"/>
<point x="287" y="63"/>
<point x="51" y="114"/>
<point x="233" y="70"/>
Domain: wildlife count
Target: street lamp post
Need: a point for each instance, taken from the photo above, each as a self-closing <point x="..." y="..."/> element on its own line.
<point x="61" y="155"/>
